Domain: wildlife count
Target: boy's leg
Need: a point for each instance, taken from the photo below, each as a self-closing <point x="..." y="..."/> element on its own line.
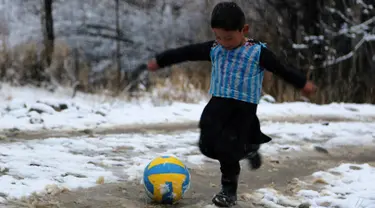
<point x="227" y="197"/>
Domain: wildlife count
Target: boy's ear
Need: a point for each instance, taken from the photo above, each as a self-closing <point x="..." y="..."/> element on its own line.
<point x="245" y="29"/>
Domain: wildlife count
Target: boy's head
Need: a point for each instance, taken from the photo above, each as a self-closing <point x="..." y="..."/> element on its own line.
<point x="228" y="24"/>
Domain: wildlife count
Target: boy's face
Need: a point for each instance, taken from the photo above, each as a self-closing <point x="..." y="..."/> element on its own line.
<point x="230" y="39"/>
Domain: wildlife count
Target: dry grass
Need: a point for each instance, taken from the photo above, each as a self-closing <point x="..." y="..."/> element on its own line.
<point x="188" y="82"/>
<point x="23" y="64"/>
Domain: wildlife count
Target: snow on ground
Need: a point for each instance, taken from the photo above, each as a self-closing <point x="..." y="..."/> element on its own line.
<point x="28" y="108"/>
<point x="346" y="186"/>
<point x="28" y="166"/>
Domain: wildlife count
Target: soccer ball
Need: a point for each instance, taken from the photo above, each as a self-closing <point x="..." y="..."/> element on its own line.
<point x="166" y="179"/>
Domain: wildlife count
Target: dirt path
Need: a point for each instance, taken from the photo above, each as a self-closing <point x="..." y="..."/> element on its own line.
<point x="276" y="172"/>
<point x="12" y="135"/>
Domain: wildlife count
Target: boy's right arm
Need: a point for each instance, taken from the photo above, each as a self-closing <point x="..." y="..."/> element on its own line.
<point x="193" y="52"/>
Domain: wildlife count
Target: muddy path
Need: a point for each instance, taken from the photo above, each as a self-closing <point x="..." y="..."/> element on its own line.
<point x="12" y="135"/>
<point x="277" y="172"/>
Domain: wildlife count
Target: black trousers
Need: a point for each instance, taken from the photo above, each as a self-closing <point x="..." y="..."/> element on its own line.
<point x="233" y="168"/>
<point x="229" y="129"/>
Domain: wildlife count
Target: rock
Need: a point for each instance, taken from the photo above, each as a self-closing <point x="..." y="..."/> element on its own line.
<point x="57" y="106"/>
<point x="63" y="106"/>
<point x="100" y="113"/>
<point x="35" y="164"/>
<point x="36" y="120"/>
<point x="304" y="205"/>
<point x="77" y="175"/>
<point x="352" y="167"/>
<point x="321" y="150"/>
<point x="42" y="108"/>
<point x="275" y="161"/>
<point x="88" y="131"/>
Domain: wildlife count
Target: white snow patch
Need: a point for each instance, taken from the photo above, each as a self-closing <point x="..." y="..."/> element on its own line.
<point x="351" y="186"/>
<point x="35" y="164"/>
<point x="94" y="111"/>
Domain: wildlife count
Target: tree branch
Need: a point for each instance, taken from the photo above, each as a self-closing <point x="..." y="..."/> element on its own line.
<point x="357" y="28"/>
<point x="366" y="38"/>
<point x="99" y="27"/>
<point x="106" y="36"/>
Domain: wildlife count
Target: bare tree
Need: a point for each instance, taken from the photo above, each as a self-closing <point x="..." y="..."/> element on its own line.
<point x="118" y="46"/>
<point x="333" y="40"/>
<point x="49" y="35"/>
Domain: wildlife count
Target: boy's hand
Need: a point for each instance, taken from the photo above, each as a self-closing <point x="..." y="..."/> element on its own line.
<point x="152" y="65"/>
<point x="309" y="88"/>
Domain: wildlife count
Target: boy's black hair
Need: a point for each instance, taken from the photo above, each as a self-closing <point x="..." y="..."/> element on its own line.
<point x="228" y="16"/>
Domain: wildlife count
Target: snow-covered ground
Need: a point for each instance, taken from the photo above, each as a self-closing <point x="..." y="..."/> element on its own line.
<point x="345" y="186"/>
<point x="28" y="166"/>
<point x="35" y="109"/>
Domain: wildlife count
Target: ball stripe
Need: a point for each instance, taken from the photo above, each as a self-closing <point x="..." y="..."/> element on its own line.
<point x="148" y="185"/>
<point x="165" y="160"/>
<point x="168" y="197"/>
<point x="172" y="168"/>
<point x="186" y="184"/>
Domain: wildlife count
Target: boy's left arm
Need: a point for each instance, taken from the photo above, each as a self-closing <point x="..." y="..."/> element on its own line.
<point x="270" y="62"/>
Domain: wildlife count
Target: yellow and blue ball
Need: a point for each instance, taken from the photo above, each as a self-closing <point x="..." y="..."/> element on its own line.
<point x="166" y="179"/>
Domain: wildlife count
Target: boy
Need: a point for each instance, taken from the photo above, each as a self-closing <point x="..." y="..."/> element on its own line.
<point x="229" y="127"/>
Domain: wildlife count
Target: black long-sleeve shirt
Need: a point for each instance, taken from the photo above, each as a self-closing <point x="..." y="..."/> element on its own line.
<point x="201" y="52"/>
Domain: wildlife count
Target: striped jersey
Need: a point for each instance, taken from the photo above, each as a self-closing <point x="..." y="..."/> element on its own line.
<point x="236" y="73"/>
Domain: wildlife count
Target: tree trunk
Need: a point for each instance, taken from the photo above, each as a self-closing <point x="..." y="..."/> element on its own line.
<point x="118" y="47"/>
<point x="49" y="36"/>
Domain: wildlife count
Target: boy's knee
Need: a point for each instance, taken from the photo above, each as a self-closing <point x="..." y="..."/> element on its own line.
<point x="206" y="148"/>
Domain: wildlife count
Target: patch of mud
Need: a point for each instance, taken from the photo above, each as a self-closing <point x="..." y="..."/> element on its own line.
<point x="282" y="172"/>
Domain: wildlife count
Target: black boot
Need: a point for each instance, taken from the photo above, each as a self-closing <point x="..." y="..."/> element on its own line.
<point x="255" y="160"/>
<point x="227" y="197"/>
